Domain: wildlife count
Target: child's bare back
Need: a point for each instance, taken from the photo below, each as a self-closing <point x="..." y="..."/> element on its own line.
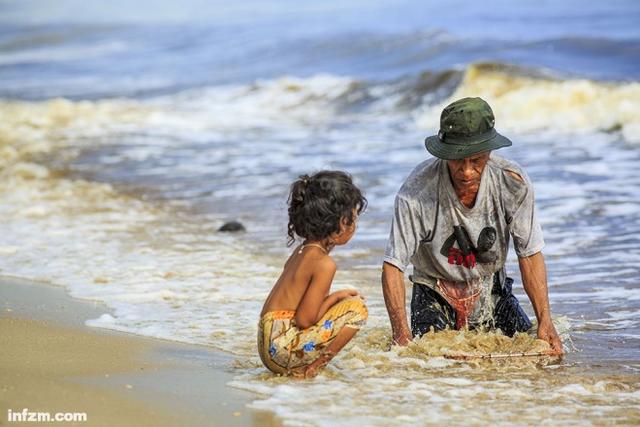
<point x="305" y="263"/>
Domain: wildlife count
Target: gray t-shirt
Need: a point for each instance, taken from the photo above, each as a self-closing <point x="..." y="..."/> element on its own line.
<point x="444" y="239"/>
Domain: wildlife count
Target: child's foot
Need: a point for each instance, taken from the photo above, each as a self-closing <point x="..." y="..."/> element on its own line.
<point x="311" y="371"/>
<point x="298" y="373"/>
<point x="314" y="368"/>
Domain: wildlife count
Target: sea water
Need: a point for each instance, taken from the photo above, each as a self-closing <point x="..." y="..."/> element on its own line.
<point x="130" y="132"/>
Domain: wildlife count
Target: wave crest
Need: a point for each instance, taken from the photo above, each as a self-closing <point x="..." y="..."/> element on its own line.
<point x="531" y="103"/>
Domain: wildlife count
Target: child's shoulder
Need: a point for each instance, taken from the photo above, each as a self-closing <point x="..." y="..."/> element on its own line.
<point x="319" y="262"/>
<point x="327" y="263"/>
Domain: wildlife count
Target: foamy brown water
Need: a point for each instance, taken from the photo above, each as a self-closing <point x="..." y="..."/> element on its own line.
<point x="368" y="384"/>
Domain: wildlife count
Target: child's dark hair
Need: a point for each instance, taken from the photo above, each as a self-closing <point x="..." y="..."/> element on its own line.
<point x="318" y="202"/>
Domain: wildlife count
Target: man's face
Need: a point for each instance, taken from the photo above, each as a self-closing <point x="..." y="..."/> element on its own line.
<point x="465" y="173"/>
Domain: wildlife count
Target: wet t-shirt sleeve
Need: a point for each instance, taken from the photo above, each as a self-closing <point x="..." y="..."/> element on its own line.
<point x="403" y="240"/>
<point x="521" y="215"/>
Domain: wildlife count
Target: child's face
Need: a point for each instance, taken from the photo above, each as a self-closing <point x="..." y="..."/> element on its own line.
<point x="346" y="230"/>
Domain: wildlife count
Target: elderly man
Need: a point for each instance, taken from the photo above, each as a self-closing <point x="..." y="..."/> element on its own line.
<point x="453" y="219"/>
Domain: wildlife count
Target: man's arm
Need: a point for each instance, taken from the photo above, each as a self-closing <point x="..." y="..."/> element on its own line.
<point x="394" y="298"/>
<point x="534" y="280"/>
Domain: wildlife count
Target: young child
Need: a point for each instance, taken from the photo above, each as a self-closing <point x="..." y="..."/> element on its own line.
<point x="303" y="326"/>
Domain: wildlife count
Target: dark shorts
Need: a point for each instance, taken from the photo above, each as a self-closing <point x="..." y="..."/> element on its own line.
<point x="429" y="309"/>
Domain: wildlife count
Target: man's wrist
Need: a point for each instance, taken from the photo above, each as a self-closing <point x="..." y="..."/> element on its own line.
<point x="544" y="319"/>
<point x="400" y="330"/>
<point x="399" y="322"/>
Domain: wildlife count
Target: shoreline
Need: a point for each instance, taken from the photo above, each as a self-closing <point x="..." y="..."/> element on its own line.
<point x="51" y="361"/>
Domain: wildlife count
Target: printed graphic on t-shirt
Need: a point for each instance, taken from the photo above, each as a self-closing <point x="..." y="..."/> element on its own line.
<point x="466" y="253"/>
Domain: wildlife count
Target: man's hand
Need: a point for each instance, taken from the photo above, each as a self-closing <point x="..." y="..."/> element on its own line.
<point x="547" y="332"/>
<point x="534" y="280"/>
<point x="402" y="338"/>
<point x="347" y="293"/>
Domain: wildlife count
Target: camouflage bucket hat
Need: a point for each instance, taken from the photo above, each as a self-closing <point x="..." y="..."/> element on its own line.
<point x="466" y="128"/>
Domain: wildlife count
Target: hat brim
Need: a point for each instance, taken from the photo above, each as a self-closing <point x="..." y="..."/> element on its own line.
<point x="460" y="151"/>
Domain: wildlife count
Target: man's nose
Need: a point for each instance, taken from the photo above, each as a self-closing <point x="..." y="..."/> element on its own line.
<point x="467" y="169"/>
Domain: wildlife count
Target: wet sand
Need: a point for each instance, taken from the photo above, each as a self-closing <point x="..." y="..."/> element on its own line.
<point x="51" y="362"/>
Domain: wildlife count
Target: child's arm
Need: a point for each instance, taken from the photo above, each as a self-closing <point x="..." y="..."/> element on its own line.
<point x="334" y="298"/>
<point x="315" y="302"/>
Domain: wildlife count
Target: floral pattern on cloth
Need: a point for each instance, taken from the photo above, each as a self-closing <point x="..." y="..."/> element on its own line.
<point x="284" y="347"/>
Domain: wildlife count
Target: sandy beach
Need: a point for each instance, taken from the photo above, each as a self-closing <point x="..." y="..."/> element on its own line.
<point x="51" y="362"/>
